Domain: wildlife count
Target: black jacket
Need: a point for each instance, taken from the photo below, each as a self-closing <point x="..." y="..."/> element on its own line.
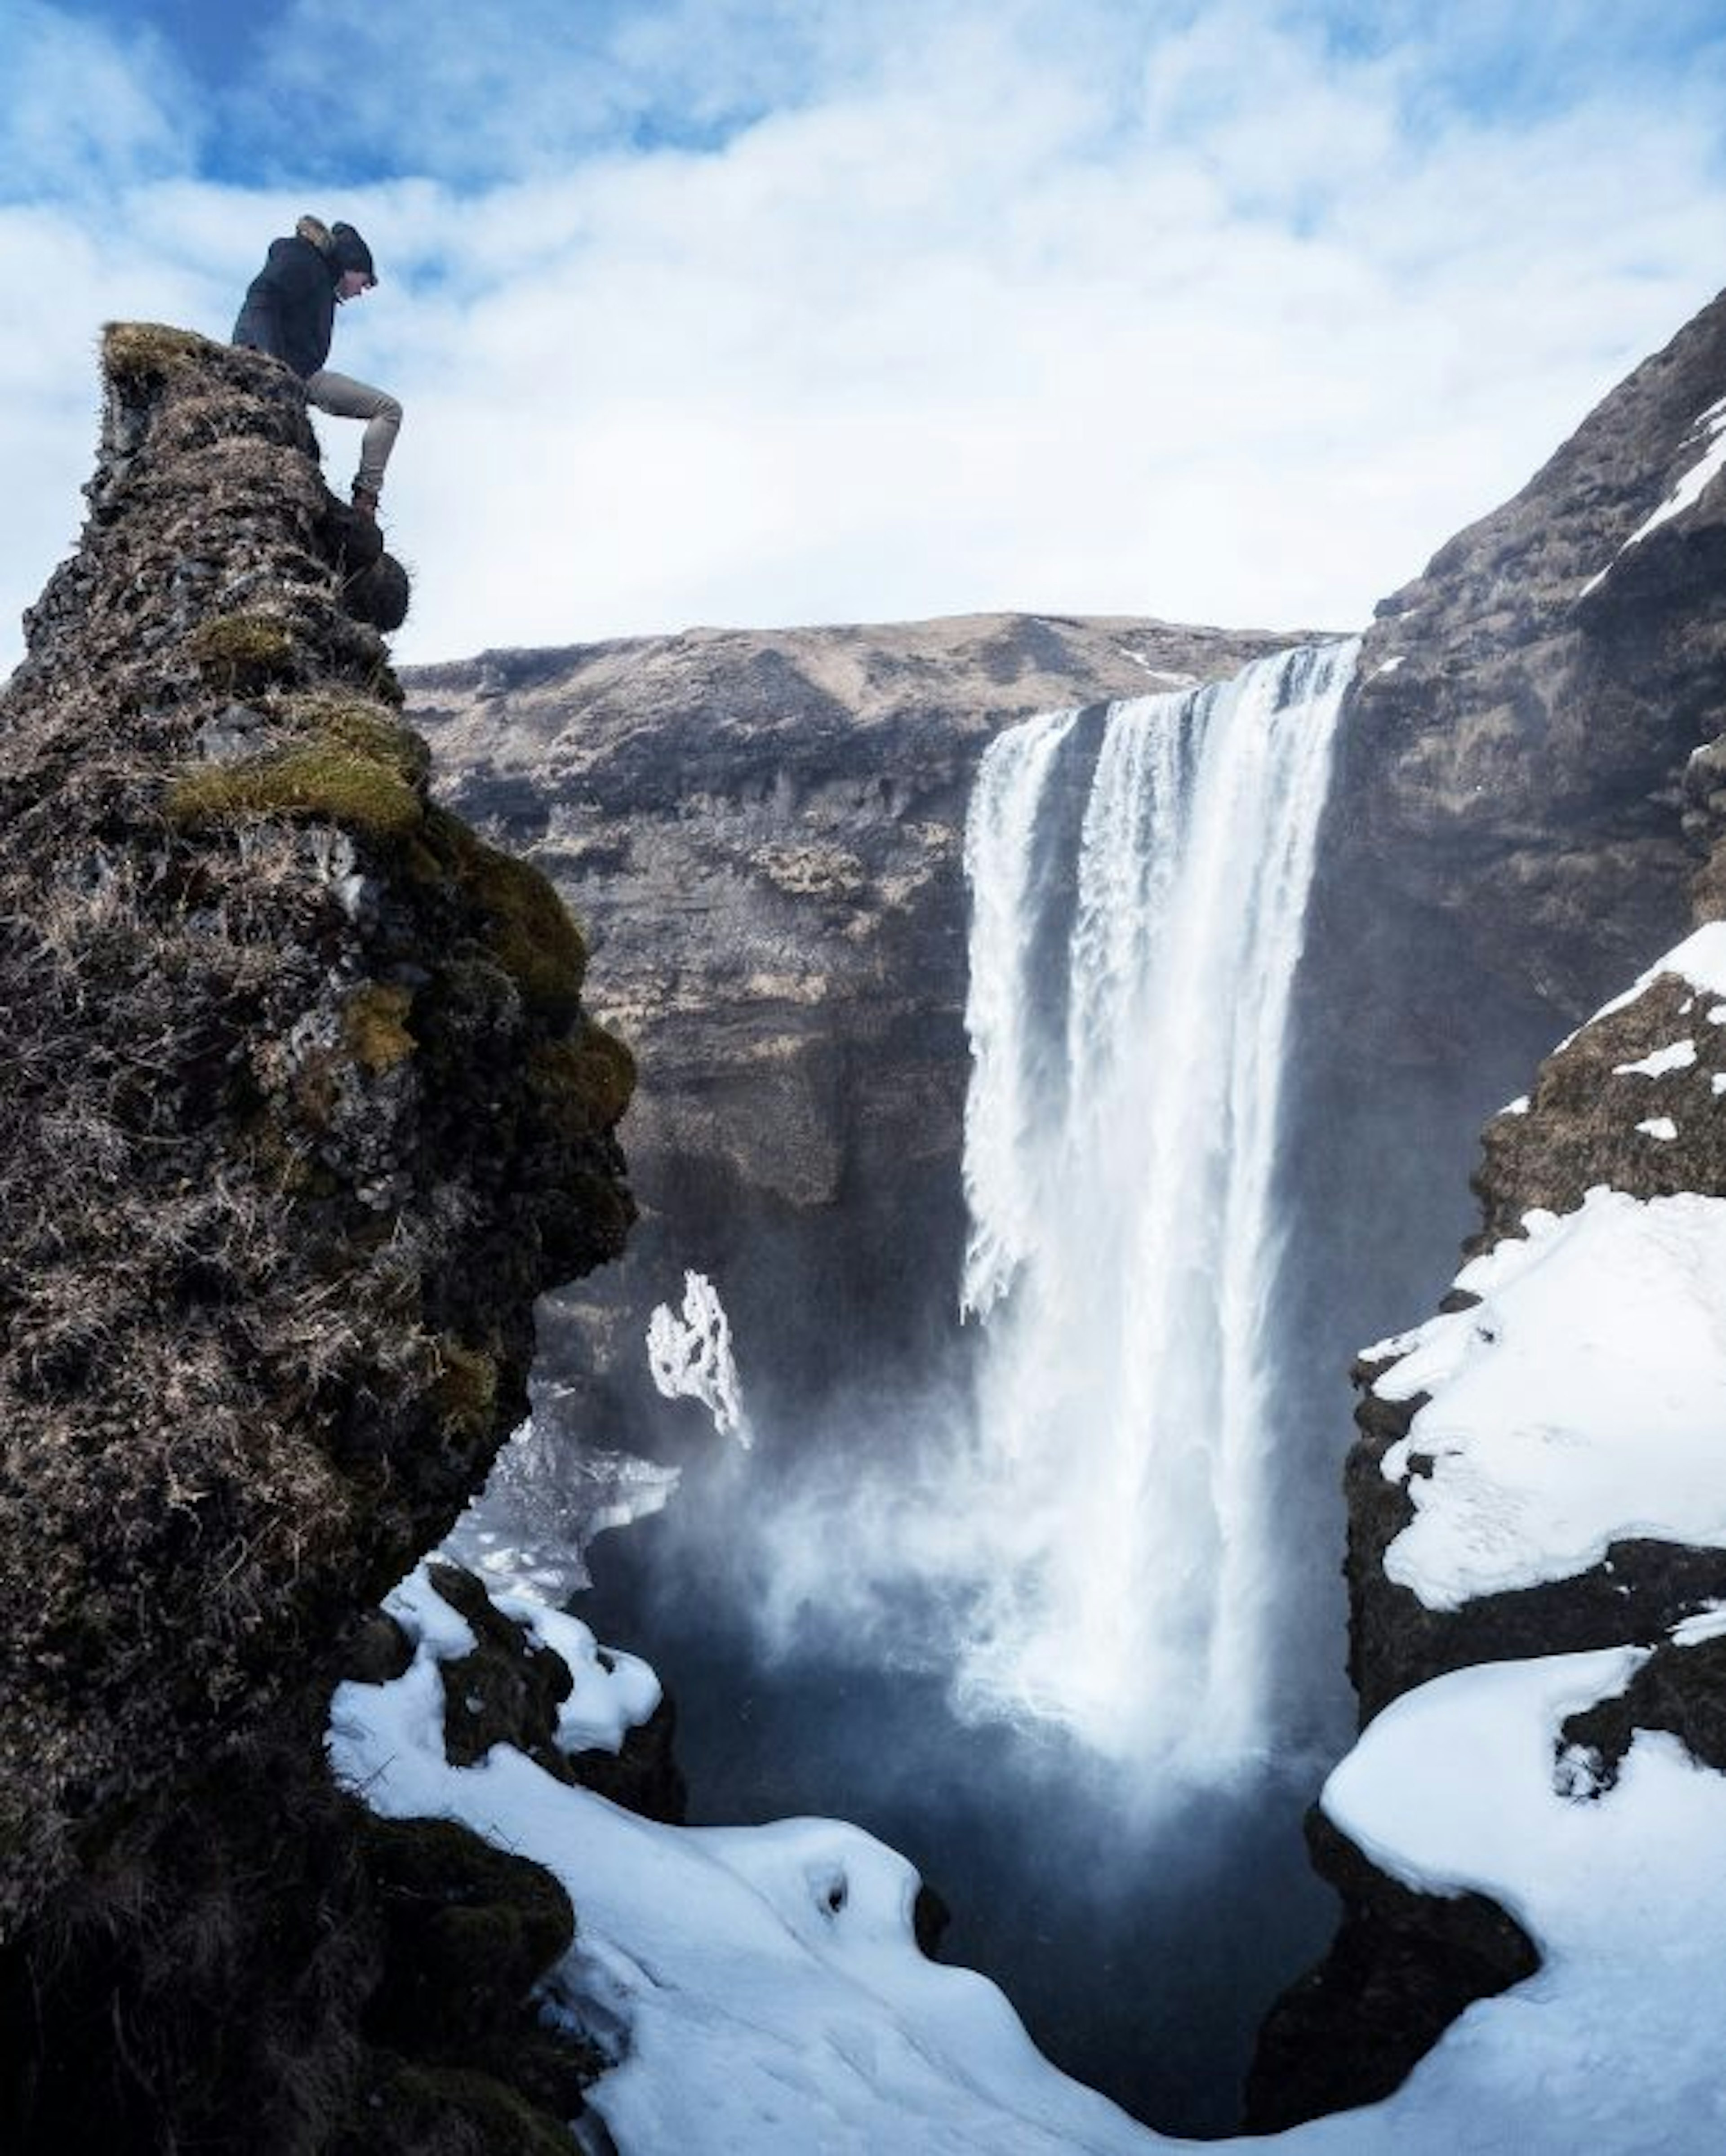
<point x="290" y="306"/>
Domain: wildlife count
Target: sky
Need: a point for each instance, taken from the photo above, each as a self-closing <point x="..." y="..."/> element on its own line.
<point x="806" y="310"/>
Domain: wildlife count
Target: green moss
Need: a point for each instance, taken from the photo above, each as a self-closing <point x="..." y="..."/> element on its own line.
<point x="145" y="351"/>
<point x="325" y="781"/>
<point x="374" y="1026"/>
<point x="230" y="646"/>
<point x="466" y="1393"/>
<point x="363" y="726"/>
<point x="583" y="1085"/>
<point x="529" y="932"/>
<point x="346" y="758"/>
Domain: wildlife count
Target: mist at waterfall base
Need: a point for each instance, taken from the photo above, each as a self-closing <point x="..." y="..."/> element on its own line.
<point x="1062" y="1620"/>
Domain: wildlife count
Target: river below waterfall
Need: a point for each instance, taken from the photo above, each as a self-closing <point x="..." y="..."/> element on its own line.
<point x="1140" y="1933"/>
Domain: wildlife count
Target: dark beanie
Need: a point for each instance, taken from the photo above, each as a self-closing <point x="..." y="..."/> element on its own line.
<point x="348" y="251"/>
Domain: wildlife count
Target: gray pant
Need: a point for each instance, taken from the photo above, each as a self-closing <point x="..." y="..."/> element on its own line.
<point x="341" y="395"/>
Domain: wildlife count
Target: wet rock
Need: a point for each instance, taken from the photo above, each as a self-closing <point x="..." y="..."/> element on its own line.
<point x="1680" y="1689"/>
<point x="379" y="1651"/>
<point x="1402" y="1968"/>
<point x="643" y="1775"/>
<point x="508" y="1690"/>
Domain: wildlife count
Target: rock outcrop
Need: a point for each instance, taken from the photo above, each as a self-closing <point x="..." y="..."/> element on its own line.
<point x="1593" y="661"/>
<point x="1516" y="741"/>
<point x="1503" y="846"/>
<point x="1630" y="1103"/>
<point x="301" y="1109"/>
<point x="1533" y="771"/>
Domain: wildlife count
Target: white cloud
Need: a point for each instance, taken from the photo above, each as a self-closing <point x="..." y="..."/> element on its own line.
<point x="1214" y="324"/>
<point x="83" y="106"/>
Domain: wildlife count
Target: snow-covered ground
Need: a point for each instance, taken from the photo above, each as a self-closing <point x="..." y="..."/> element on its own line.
<point x="764" y="1994"/>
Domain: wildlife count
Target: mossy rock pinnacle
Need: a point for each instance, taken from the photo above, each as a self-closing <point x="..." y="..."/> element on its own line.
<point x="283" y="1184"/>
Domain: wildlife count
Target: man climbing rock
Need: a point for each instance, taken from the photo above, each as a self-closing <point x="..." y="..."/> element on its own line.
<point x="289" y="313"/>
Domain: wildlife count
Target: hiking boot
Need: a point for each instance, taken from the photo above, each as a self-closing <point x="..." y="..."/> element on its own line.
<point x="365" y="503"/>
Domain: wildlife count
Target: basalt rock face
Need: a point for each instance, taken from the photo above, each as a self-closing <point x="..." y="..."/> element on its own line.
<point x="1518" y="738"/>
<point x="762" y="835"/>
<point x="1531" y="791"/>
<point x="1402" y="1968"/>
<point x="1504" y="844"/>
<point x="300" y="1111"/>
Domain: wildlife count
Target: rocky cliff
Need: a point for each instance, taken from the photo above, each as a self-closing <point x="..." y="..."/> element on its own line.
<point x="761" y="834"/>
<point x="1526" y="707"/>
<point x="1533" y="774"/>
<point x="1503" y="846"/>
<point x="1562" y="668"/>
<point x="301" y="1108"/>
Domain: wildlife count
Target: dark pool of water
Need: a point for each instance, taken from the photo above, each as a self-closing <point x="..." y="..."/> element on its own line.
<point x="1140" y="1942"/>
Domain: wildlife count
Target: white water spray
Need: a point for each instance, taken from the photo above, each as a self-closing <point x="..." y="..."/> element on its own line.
<point x="1130" y="972"/>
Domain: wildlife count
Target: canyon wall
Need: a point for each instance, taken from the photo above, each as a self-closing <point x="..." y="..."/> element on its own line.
<point x="762" y="835"/>
<point x="1531" y="798"/>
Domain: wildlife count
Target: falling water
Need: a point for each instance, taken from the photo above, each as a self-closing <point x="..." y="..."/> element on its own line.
<point x="1138" y="907"/>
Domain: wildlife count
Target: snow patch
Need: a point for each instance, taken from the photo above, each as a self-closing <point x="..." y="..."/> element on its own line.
<point x="1700" y="959"/>
<point x="1709" y="1624"/>
<point x="1695" y="482"/>
<point x="1158" y="673"/>
<point x="1581" y="1402"/>
<point x="692" y="1358"/>
<point x="1689" y="490"/>
<point x="1679" y="1056"/>
<point x="760" y="1989"/>
<point x="1660" y="1127"/>
<point x="764" y="1981"/>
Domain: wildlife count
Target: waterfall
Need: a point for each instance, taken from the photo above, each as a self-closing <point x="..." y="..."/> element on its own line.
<point x="1138" y="888"/>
